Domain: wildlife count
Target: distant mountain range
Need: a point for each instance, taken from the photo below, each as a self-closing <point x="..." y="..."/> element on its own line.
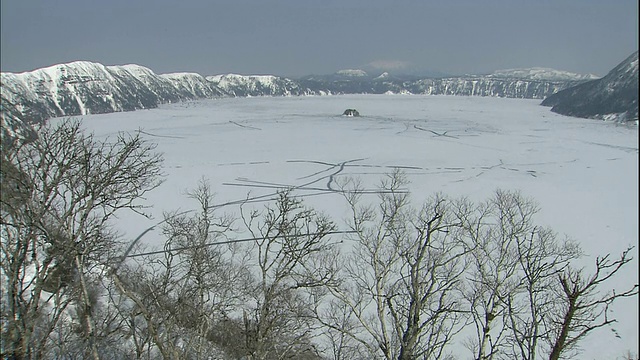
<point x="81" y="88"/>
<point x="613" y="97"/>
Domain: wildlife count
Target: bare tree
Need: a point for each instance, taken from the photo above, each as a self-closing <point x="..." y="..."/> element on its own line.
<point x="492" y="272"/>
<point x="511" y="263"/>
<point x="582" y="307"/>
<point x="60" y="192"/>
<point x="342" y="332"/>
<point x="402" y="279"/>
<point x="193" y="287"/>
<point x="525" y="298"/>
<point x="541" y="257"/>
<point x="295" y="261"/>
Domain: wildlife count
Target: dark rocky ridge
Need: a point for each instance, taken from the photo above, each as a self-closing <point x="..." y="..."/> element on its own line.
<point x="614" y="96"/>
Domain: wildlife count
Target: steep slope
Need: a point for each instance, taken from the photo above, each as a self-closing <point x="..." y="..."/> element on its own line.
<point x="82" y="87"/>
<point x="615" y="96"/>
<point x="194" y="84"/>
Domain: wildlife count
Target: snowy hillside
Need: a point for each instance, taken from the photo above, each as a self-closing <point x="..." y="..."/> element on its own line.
<point x="82" y="88"/>
<point x="614" y="97"/>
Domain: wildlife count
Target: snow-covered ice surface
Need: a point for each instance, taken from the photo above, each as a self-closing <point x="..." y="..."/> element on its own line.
<point x="583" y="173"/>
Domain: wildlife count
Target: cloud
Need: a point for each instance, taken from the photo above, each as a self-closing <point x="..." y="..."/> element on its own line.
<point x="389" y="64"/>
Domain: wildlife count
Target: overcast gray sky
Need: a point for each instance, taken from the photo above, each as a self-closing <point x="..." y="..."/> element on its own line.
<point x="300" y="37"/>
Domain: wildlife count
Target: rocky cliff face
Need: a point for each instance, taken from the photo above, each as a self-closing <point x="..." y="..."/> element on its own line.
<point x="613" y="97"/>
<point x="81" y="88"/>
<point x="488" y="86"/>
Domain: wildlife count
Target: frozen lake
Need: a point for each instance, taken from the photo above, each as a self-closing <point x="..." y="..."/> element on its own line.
<point x="583" y="173"/>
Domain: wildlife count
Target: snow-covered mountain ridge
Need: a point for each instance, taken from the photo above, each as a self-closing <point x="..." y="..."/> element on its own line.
<point x="82" y="87"/>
